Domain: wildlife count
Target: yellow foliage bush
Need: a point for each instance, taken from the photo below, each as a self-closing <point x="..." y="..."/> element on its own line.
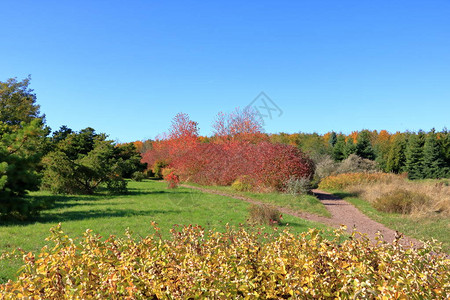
<point x="166" y="171"/>
<point x="195" y="264"/>
<point x="342" y="181"/>
<point x="242" y="184"/>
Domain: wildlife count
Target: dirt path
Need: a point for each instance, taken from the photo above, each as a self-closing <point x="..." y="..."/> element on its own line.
<point x="345" y="213"/>
<point x="342" y="213"/>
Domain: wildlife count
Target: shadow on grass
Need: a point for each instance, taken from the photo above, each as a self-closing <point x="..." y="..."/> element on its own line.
<point x="52" y="203"/>
<point x="343" y="195"/>
<point x="86" y="215"/>
<point x="95" y="214"/>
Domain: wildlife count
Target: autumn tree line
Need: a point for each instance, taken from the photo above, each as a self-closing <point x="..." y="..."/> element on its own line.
<point x="419" y="154"/>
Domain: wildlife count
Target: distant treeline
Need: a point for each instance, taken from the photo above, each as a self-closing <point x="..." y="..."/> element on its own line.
<point x="420" y="154"/>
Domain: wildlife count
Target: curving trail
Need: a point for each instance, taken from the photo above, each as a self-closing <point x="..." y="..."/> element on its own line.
<point x="345" y="213"/>
<point x="342" y="213"/>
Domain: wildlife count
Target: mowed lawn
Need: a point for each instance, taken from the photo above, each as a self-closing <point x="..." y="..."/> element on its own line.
<point x="298" y="203"/>
<point x="107" y="215"/>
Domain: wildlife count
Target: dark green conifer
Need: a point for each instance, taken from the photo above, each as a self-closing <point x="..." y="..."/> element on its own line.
<point x="414" y="156"/>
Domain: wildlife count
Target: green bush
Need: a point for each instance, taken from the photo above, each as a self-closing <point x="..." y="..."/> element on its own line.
<point x="264" y="215"/>
<point x="117" y="186"/>
<point x="401" y="201"/>
<point x="81" y="162"/>
<point x="297" y="186"/>
<point x="157" y="168"/>
<point x="138" y="176"/>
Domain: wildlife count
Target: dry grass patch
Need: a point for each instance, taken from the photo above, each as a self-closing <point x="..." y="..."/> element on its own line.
<point x="402" y="196"/>
<point x="264" y="215"/>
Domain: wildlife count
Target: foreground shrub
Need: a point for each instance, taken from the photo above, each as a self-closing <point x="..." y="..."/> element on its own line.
<point x="400" y="201"/>
<point x="297" y="186"/>
<point x="236" y="264"/>
<point x="264" y="215"/>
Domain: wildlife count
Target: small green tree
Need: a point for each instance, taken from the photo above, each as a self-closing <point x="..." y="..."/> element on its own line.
<point x="22" y="134"/>
<point x="414" y="156"/>
<point x="444" y="145"/>
<point x="350" y="147"/>
<point x="339" y="148"/>
<point x="332" y="139"/>
<point x="18" y="102"/>
<point x="81" y="162"/>
<point x="396" y="158"/>
<point x="433" y="162"/>
<point x="128" y="160"/>
<point x="363" y="146"/>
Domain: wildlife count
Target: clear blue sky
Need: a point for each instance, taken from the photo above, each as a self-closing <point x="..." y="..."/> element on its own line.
<point x="127" y="67"/>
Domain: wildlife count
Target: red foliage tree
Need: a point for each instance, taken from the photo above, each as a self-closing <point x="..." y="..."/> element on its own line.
<point x="240" y="125"/>
<point x="240" y="149"/>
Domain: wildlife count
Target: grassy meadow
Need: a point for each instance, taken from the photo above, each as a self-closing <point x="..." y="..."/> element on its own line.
<point x="306" y="203"/>
<point x="146" y="201"/>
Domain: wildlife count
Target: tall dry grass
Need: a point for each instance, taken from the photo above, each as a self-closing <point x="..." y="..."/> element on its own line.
<point x="433" y="197"/>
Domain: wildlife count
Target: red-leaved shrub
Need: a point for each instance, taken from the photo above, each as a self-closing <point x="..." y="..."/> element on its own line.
<point x="265" y="165"/>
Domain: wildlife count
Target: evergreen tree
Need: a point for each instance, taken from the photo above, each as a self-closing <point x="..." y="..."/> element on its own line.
<point x="396" y="158"/>
<point x="22" y="135"/>
<point x="18" y="102"/>
<point x="433" y="163"/>
<point x="333" y="139"/>
<point x="414" y="156"/>
<point x="363" y="146"/>
<point x="350" y="147"/>
<point x="339" y="148"/>
<point x="444" y="145"/>
<point x="82" y="161"/>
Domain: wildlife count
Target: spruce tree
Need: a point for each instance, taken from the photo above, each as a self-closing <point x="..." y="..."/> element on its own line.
<point x="364" y="146"/>
<point x="444" y="145"/>
<point x="433" y="163"/>
<point x="332" y="140"/>
<point x="339" y="148"/>
<point x="22" y="138"/>
<point x="350" y="147"/>
<point x="396" y="158"/>
<point x="414" y="156"/>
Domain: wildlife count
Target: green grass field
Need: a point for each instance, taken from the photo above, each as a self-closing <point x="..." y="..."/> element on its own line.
<point x="110" y="215"/>
<point x="422" y="228"/>
<point x="306" y="203"/>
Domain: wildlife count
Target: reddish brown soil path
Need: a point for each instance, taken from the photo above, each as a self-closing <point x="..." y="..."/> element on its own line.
<point x="342" y="213"/>
<point x="345" y="213"/>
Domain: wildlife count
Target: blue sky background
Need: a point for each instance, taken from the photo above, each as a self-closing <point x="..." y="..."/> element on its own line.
<point x="127" y="67"/>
